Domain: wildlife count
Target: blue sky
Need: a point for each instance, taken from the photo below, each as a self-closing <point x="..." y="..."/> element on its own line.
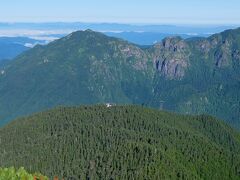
<point x="123" y="11"/>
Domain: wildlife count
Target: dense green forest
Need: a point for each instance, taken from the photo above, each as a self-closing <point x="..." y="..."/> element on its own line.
<point x="121" y="142"/>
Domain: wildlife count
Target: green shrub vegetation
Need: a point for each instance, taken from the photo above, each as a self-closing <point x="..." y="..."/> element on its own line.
<point x="121" y="142"/>
<point x="19" y="174"/>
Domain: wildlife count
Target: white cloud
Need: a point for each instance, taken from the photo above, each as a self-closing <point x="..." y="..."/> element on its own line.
<point x="29" y="45"/>
<point x="42" y="35"/>
<point x="44" y="38"/>
<point x="27" y="32"/>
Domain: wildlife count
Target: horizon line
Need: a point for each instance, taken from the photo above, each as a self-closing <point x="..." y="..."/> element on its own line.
<point x="123" y="23"/>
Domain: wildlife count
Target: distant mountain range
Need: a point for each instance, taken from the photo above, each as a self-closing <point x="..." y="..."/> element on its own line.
<point x="192" y="76"/>
<point x="114" y="27"/>
<point x="121" y="142"/>
<point x="149" y="38"/>
<point x="10" y="47"/>
<point x="15" y="38"/>
<point x="138" y="34"/>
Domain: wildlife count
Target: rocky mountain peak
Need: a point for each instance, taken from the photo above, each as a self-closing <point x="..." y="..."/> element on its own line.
<point x="223" y="47"/>
<point x="173" y="43"/>
<point x="171" y="57"/>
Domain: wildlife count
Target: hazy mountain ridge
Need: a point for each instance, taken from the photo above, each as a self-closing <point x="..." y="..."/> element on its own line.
<point x="10" y="47"/>
<point x="116" y="27"/>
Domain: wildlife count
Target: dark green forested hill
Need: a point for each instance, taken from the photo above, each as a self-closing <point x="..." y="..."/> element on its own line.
<point x="121" y="142"/>
<point x="192" y="76"/>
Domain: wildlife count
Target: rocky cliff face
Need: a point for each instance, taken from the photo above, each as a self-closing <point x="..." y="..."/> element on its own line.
<point x="221" y="49"/>
<point x="171" y="57"/>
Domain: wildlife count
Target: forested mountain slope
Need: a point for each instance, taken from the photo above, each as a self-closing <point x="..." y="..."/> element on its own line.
<point x="121" y="142"/>
<point x="193" y="76"/>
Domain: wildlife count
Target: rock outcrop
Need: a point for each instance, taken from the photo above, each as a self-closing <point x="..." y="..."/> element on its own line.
<point x="171" y="57"/>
